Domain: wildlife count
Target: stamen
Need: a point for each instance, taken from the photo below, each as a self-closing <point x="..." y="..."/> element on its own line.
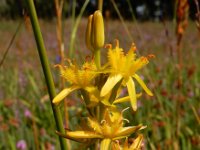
<point x="133" y="47"/>
<point x="125" y="109"/>
<point x="103" y="121"/>
<point x="124" y="119"/>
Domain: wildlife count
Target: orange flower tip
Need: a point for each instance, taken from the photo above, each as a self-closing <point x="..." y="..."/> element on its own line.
<point x="133" y="47"/>
<point x="144" y="59"/>
<point x="117" y="42"/>
<point x="151" y="56"/>
<point x="108" y="46"/>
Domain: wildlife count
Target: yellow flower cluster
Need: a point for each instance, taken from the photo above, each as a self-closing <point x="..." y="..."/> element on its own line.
<point x="100" y="87"/>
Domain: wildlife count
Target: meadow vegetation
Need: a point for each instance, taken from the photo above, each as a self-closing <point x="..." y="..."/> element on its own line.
<point x="26" y="117"/>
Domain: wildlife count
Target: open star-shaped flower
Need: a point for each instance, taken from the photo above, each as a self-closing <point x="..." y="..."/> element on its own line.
<point x="78" y="78"/>
<point x="123" y="68"/>
<point x="110" y="128"/>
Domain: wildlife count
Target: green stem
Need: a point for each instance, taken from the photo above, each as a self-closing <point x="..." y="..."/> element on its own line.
<point x="46" y="70"/>
<point x="100" y="5"/>
<point x="97" y="58"/>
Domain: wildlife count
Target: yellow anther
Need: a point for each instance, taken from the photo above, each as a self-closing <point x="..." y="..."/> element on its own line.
<point x="133" y="47"/>
<point x="151" y="56"/>
<point x="108" y="46"/>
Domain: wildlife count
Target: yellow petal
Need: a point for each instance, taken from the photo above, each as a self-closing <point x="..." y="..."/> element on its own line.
<point x="63" y="94"/>
<point x="105" y="144"/>
<point x="125" y="99"/>
<point x="126" y="131"/>
<point x="121" y="100"/>
<point x="83" y="134"/>
<point x="143" y="85"/>
<point x="132" y="93"/>
<point x="137" y="142"/>
<point x="110" y="83"/>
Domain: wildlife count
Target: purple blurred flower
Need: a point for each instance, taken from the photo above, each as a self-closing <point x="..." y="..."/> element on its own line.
<point x="190" y="94"/>
<point x="27" y="113"/>
<point x="123" y="92"/>
<point x="58" y="59"/>
<point x="142" y="77"/>
<point x="21" y="145"/>
<point x="139" y="103"/>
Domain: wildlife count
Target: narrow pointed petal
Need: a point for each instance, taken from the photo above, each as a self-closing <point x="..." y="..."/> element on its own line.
<point x="125" y="99"/>
<point x="141" y="82"/>
<point x="83" y="134"/>
<point x="132" y="93"/>
<point x="105" y="144"/>
<point x="121" y="100"/>
<point x="137" y="142"/>
<point x="63" y="94"/>
<point x="126" y="131"/>
<point x="68" y="137"/>
<point x="110" y="83"/>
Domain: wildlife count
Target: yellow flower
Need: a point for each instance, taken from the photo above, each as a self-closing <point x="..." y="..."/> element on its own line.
<point x="78" y="78"/>
<point x="108" y="130"/>
<point x="136" y="145"/>
<point x="123" y="68"/>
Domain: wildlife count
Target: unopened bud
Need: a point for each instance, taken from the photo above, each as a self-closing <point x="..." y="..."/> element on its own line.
<point x="88" y="35"/>
<point x="98" y="30"/>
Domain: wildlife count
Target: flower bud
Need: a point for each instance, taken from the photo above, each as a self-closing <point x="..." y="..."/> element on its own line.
<point x="88" y="35"/>
<point x="98" y="30"/>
